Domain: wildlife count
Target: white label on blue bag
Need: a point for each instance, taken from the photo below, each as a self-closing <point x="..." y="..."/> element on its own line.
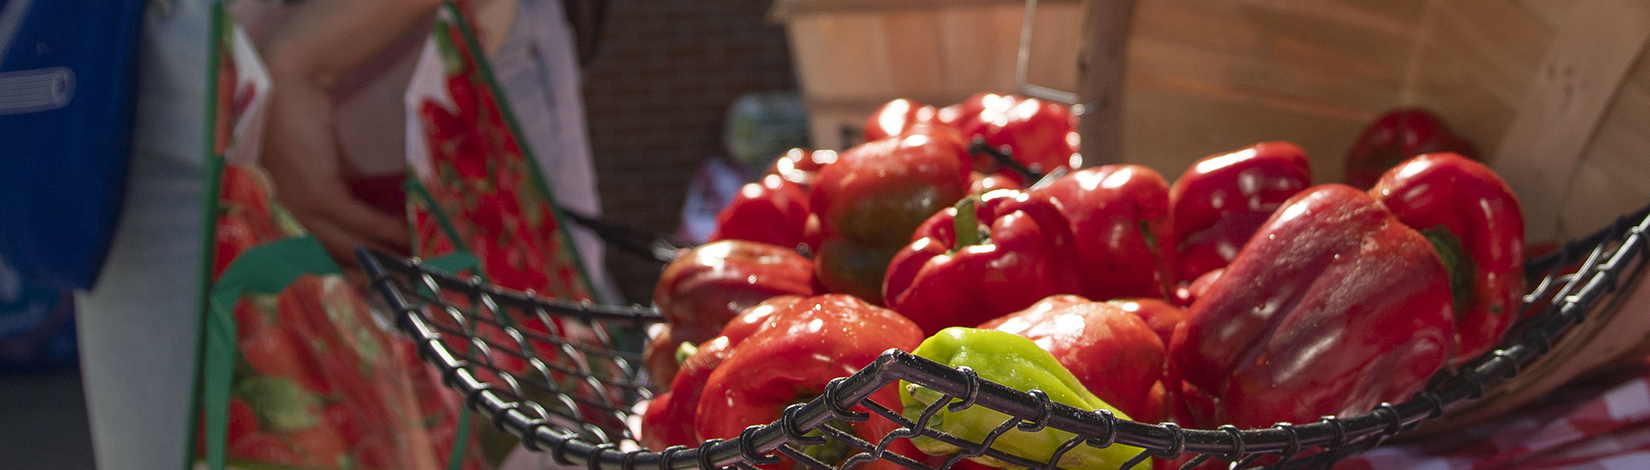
<point x="29" y="91"/>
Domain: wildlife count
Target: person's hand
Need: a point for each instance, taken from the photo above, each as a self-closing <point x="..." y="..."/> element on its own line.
<point x="306" y="53"/>
<point x="304" y="163"/>
<point x="314" y="191"/>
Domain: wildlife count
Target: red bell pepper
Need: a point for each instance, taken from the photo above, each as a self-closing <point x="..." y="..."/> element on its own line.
<point x="1113" y="352"/>
<point x="1222" y="199"/>
<point x="774" y="211"/>
<point x="986" y="257"/>
<point x="668" y="420"/>
<point x="873" y="197"/>
<point x="659" y="357"/>
<point x="710" y="284"/>
<point x="1396" y="136"/>
<point x="1334" y="307"/>
<point x="1473" y="219"/>
<point x="1161" y="316"/>
<point x="1187" y="294"/>
<point x="801" y="166"/>
<point x="1120" y="215"/>
<point x="897" y="117"/>
<point x="981" y="183"/>
<point x="1039" y="134"/>
<point x="968" y="109"/>
<point x="788" y="358"/>
<point x="707" y="286"/>
<point x="669" y="417"/>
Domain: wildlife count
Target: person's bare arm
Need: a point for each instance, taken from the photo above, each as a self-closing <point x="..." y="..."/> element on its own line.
<point x="306" y="54"/>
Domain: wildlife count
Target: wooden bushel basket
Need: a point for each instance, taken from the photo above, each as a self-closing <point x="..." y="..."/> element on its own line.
<point x="1555" y="94"/>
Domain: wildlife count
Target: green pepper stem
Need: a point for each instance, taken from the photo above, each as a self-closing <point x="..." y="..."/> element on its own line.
<point x="1146" y="232"/>
<point x="833" y="451"/>
<point x="966" y="223"/>
<point x="1458" y="264"/>
<point x="685" y="351"/>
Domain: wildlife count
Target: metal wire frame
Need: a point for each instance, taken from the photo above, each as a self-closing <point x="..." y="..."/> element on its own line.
<point x="585" y="389"/>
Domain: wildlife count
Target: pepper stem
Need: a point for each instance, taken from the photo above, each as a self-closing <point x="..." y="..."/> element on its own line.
<point x="685" y="351"/>
<point x="966" y="223"/>
<point x="1457" y="262"/>
<point x="1146" y="232"/>
<point x="833" y="452"/>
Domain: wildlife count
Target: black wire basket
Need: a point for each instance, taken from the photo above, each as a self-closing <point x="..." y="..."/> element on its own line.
<point x="574" y="391"/>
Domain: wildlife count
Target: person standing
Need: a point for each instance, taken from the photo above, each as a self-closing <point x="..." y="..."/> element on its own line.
<point x="339" y="69"/>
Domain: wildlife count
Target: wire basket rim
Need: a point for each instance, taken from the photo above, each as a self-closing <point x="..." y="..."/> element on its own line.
<point x="1601" y="272"/>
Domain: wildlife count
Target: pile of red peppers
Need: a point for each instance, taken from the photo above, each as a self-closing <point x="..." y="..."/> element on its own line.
<point x="1240" y="294"/>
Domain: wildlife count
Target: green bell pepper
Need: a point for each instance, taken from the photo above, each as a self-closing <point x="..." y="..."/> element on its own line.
<point x="1016" y="362"/>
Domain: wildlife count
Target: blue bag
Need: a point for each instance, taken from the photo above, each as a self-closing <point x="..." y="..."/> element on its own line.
<point x="68" y="85"/>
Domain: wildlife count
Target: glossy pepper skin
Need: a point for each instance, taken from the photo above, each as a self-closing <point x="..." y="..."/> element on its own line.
<point x="1222" y="199"/>
<point x="1188" y="293"/>
<point x="1120" y="215"/>
<point x="791" y="356"/>
<point x="1016" y="362"/>
<point x="668" y="420"/>
<point x="873" y="197"/>
<point x="1396" y="136"/>
<point x="1474" y="220"/>
<point x="981" y="183"/>
<point x="773" y="211"/>
<point x="659" y="357"/>
<point x="897" y="117"/>
<point x="1162" y="317"/>
<point x="952" y="275"/>
<point x="1039" y="134"/>
<point x="801" y="166"/>
<point x="1334" y="307"/>
<point x="707" y="286"/>
<point x="970" y="108"/>
<point x="1111" y="351"/>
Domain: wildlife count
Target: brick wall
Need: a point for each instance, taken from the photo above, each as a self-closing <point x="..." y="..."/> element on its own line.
<point x="656" y="96"/>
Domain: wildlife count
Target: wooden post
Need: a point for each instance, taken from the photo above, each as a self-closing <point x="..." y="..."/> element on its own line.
<point x="1100" y="79"/>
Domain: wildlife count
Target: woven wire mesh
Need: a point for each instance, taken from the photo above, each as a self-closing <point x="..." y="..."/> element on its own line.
<point x="550" y="371"/>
